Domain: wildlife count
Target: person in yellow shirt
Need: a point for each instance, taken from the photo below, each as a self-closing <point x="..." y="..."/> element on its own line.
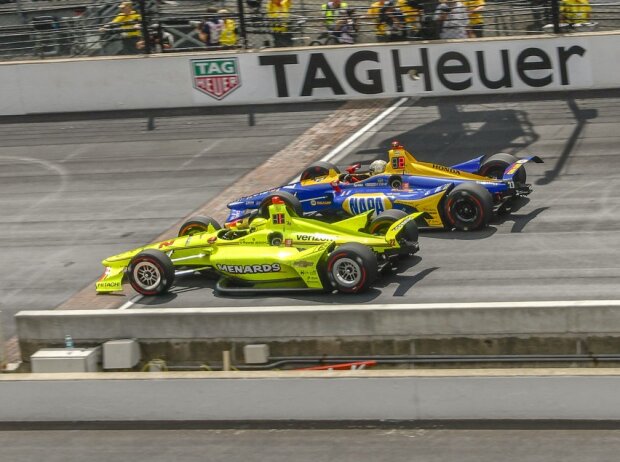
<point x="228" y="37"/>
<point x="333" y="11"/>
<point x="411" y="12"/>
<point x="575" y="11"/>
<point x="475" y="8"/>
<point x="374" y="14"/>
<point x="278" y="13"/>
<point x="128" y="21"/>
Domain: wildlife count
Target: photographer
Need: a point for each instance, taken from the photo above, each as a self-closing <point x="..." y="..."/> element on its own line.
<point x="160" y="40"/>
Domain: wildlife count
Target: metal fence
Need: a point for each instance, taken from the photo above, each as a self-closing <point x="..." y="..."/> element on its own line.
<point x="173" y="26"/>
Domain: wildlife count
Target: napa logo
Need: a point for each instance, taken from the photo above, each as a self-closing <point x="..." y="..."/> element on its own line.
<point x="360" y="203"/>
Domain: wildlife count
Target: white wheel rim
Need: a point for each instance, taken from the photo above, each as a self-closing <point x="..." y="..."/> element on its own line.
<point x="147" y="275"/>
<point x="347" y="272"/>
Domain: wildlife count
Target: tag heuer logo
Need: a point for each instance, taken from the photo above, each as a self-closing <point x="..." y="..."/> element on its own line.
<point x="217" y="77"/>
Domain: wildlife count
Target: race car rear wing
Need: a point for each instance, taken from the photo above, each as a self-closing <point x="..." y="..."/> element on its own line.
<point x="512" y="169"/>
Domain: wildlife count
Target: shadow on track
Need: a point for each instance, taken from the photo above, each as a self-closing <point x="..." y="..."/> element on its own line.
<point x="581" y="116"/>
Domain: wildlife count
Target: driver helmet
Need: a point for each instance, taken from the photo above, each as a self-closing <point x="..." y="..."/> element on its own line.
<point x="378" y="166"/>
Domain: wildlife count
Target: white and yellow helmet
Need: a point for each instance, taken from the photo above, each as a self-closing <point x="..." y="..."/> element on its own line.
<point x="377" y="167"/>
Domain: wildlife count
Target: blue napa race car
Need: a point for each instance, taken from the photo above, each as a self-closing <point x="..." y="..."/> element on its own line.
<point x="463" y="196"/>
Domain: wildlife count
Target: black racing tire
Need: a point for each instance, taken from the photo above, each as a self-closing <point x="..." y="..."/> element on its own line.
<point x="495" y="165"/>
<point x="469" y="206"/>
<point x="275" y="239"/>
<point x="395" y="182"/>
<point x="197" y="224"/>
<point x="352" y="268"/>
<point x="315" y="43"/>
<point x="293" y="204"/>
<point x="151" y="272"/>
<point x="317" y="169"/>
<point x="382" y="222"/>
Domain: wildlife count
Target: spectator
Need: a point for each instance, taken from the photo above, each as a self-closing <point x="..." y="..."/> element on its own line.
<point x="374" y="14"/>
<point x="128" y="21"/>
<point x="476" y="22"/>
<point x="278" y="13"/>
<point x="160" y="40"/>
<point x="347" y="27"/>
<point x="228" y="39"/>
<point x="452" y="19"/>
<point x="394" y="21"/>
<point x="211" y="28"/>
<point x="575" y="11"/>
<point x="411" y="12"/>
<point x="332" y="12"/>
<point x="389" y="20"/>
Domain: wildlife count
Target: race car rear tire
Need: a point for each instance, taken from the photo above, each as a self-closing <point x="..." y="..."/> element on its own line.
<point x="293" y="204"/>
<point x="197" y="224"/>
<point x="151" y="272"/>
<point x="352" y="268"/>
<point x="469" y="206"/>
<point x="317" y="169"/>
<point x="382" y="222"/>
<point x="495" y="166"/>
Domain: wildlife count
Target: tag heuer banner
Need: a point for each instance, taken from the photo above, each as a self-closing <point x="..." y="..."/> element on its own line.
<point x="217" y="77"/>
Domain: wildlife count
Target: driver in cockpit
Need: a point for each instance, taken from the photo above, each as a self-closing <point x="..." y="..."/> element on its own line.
<point x="376" y="167"/>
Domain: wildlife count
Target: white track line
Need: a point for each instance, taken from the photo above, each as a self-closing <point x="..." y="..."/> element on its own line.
<point x="350" y="140"/>
<point x="564" y="304"/>
<point x="131" y="302"/>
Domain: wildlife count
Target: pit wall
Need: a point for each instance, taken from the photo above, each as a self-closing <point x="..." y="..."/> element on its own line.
<point x="487" y="66"/>
<point x="201" y="334"/>
<point x="298" y="396"/>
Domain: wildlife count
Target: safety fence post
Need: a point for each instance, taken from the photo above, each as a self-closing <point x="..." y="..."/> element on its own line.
<point x="555" y="15"/>
<point x="144" y="24"/>
<point x="242" y="30"/>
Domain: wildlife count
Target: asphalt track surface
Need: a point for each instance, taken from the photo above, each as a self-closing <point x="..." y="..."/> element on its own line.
<point x="74" y="191"/>
<point x="320" y="445"/>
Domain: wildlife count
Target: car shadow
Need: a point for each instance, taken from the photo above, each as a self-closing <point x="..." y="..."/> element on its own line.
<point x="459" y="235"/>
<point x="206" y="281"/>
<point x="404" y="282"/>
<point x="520" y="220"/>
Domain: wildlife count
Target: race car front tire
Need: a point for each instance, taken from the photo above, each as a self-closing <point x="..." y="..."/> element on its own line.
<point x="317" y="169"/>
<point x="469" y="206"/>
<point x="382" y="222"/>
<point x="151" y="272"/>
<point x="352" y="268"/>
<point x="495" y="166"/>
<point x="197" y="224"/>
<point x="289" y="200"/>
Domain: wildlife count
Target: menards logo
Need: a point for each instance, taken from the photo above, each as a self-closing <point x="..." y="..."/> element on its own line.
<point x="217" y="77"/>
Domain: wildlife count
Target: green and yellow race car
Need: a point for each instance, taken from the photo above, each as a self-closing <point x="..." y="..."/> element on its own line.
<point x="278" y="250"/>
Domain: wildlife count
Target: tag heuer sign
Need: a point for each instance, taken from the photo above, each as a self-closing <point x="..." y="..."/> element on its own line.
<point x="217" y="77"/>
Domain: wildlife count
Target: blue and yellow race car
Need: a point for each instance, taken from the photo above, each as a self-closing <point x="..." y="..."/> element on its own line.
<point x="462" y="196"/>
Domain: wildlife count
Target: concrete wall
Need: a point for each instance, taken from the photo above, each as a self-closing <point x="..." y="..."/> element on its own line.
<point x="486" y="66"/>
<point x="354" y="395"/>
<point x="200" y="334"/>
